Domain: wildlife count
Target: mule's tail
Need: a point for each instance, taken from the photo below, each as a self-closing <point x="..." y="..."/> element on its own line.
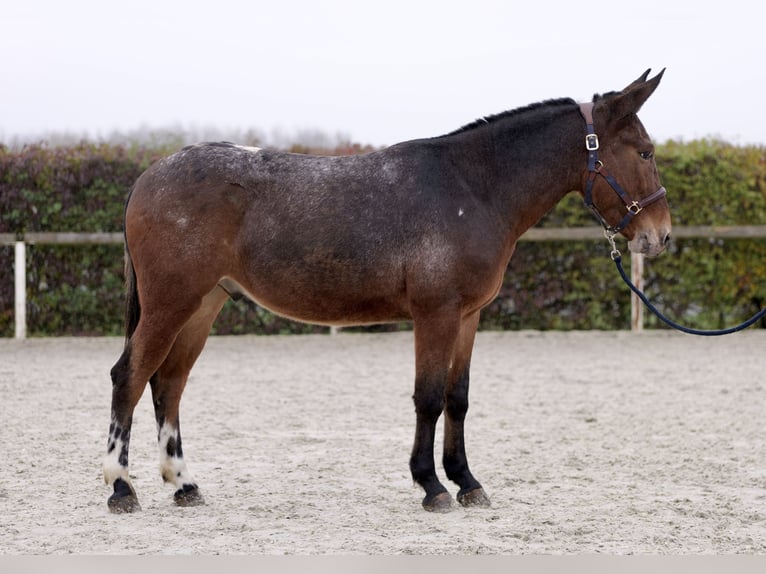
<point x="132" y="305"/>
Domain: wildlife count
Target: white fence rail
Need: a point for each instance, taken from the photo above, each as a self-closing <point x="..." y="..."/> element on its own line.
<point x="20" y="243"/>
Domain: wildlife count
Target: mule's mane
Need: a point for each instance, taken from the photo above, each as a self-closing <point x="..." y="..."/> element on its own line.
<point x="511" y="113"/>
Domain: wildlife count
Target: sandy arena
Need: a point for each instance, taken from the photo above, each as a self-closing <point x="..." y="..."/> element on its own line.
<point x="586" y="442"/>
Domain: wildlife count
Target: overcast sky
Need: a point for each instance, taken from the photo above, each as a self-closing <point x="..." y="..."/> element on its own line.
<point x="376" y="72"/>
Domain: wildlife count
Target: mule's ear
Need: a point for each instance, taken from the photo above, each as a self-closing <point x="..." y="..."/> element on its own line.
<point x="641" y="79"/>
<point x="634" y="96"/>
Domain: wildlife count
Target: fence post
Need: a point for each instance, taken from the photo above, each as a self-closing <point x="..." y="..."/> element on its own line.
<point x="20" y="290"/>
<point x="636" y="306"/>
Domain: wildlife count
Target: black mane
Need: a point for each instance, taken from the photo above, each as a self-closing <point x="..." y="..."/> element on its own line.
<point x="509" y="113"/>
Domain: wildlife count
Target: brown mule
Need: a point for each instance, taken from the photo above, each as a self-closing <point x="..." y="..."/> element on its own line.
<point x="420" y="231"/>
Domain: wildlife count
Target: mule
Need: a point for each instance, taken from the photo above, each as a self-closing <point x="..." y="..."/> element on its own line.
<point x="421" y="231"/>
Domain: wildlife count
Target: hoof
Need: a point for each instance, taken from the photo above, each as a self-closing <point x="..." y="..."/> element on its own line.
<point x="124" y="499"/>
<point x="442" y="502"/>
<point x="475" y="497"/>
<point x="123" y="504"/>
<point x="189" y="495"/>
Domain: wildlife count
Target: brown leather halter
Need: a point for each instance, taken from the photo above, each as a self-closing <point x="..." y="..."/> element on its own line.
<point x="596" y="168"/>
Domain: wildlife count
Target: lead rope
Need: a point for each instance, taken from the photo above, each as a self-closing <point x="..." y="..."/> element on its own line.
<point x="617" y="258"/>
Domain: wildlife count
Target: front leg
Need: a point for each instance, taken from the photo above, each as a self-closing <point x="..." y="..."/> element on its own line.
<point x="435" y="338"/>
<point x="456" y="406"/>
<point x="455" y="460"/>
<point x="429" y="402"/>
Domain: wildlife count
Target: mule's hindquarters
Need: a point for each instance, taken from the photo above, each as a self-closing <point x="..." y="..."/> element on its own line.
<point x="173" y="298"/>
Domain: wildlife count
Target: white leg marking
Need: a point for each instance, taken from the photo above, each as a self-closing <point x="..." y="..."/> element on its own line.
<point x="115" y="464"/>
<point x="113" y="469"/>
<point x="172" y="467"/>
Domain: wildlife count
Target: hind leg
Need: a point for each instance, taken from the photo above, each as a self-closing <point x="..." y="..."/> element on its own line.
<point x="163" y="315"/>
<point x="129" y="376"/>
<point x="167" y="386"/>
<point x="115" y="465"/>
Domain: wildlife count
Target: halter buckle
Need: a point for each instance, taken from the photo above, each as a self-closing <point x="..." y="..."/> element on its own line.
<point x="634" y="208"/>
<point x="591" y="142"/>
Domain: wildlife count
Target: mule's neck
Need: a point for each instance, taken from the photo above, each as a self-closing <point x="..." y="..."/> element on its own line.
<point x="533" y="159"/>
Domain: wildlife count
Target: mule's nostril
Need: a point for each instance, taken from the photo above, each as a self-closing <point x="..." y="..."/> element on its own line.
<point x="666" y="240"/>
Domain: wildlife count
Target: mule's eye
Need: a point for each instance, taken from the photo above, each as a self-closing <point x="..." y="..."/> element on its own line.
<point x="646" y="155"/>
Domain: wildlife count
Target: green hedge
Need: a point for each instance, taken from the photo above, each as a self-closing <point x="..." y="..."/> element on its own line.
<point x="712" y="283"/>
<point x="553" y="285"/>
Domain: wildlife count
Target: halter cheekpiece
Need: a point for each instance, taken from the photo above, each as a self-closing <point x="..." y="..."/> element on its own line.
<point x="596" y="168"/>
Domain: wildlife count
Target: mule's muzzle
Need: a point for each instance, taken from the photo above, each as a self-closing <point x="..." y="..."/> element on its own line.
<point x="650" y="243"/>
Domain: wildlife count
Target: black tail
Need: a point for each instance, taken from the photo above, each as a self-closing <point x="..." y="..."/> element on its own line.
<point x="132" y="305"/>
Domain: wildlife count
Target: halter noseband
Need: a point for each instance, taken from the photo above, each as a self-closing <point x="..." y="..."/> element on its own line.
<point x="596" y="168"/>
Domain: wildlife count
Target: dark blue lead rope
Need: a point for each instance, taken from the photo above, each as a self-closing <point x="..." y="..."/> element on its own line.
<point x="755" y="318"/>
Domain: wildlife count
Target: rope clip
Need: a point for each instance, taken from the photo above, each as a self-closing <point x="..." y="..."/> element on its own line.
<point x="615" y="254"/>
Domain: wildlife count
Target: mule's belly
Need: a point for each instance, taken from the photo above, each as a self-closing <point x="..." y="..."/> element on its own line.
<point x="328" y="305"/>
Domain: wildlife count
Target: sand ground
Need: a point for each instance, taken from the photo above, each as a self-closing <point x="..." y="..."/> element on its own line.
<point x="586" y="442"/>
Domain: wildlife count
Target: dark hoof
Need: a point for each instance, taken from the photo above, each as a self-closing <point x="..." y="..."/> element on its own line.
<point x="475" y="497"/>
<point x="442" y="502"/>
<point x="123" y="504"/>
<point x="189" y="495"/>
<point x="124" y="499"/>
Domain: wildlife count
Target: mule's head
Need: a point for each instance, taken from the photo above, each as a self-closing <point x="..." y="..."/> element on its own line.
<point x="626" y="178"/>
